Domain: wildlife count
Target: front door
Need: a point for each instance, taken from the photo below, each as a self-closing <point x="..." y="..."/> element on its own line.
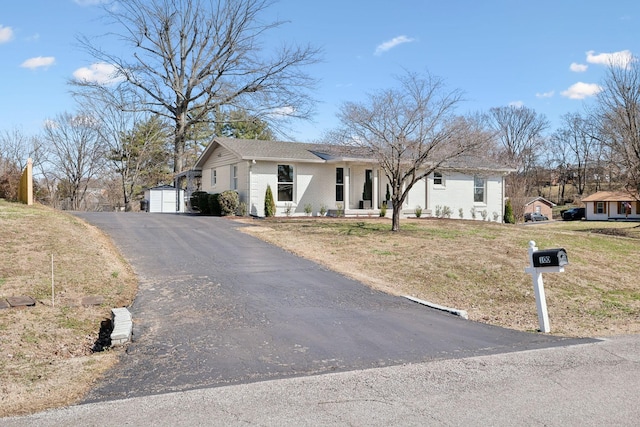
<point x="367" y="191"/>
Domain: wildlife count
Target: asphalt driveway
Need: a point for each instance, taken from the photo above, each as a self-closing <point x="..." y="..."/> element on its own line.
<point x="217" y="307"/>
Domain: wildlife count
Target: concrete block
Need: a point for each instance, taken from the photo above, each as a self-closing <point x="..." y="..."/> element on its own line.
<point x="122" y="326"/>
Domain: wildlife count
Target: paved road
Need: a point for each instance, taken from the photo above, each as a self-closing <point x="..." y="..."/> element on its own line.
<point x="218" y="307"/>
<point x="595" y="384"/>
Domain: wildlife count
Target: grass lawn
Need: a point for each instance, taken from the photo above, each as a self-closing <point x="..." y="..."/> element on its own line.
<point x="45" y="351"/>
<point x="479" y="266"/>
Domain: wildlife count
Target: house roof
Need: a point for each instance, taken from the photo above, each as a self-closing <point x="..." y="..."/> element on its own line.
<point x="246" y="149"/>
<point x="540" y="199"/>
<point x="611" y="196"/>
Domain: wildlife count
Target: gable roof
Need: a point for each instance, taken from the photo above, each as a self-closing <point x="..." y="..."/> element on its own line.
<point x="610" y="196"/>
<point x="540" y="199"/>
<point x="253" y="149"/>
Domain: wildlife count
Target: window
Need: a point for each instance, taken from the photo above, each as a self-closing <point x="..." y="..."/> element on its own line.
<point x="285" y="183"/>
<point x="437" y="178"/>
<point x="234" y="177"/>
<point x="479" y="185"/>
<point x="214" y="177"/>
<point x="339" y="184"/>
<point x="600" y="208"/>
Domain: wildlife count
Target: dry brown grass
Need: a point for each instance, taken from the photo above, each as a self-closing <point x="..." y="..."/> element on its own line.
<point x="479" y="266"/>
<point x="45" y="357"/>
<point x="45" y="351"/>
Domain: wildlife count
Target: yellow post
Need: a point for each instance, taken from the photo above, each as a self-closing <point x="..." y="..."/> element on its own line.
<point x="25" y="192"/>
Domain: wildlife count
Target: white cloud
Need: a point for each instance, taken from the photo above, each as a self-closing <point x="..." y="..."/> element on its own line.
<point x="6" y="34"/>
<point x="619" y="59"/>
<point x="578" y="68"/>
<point x="390" y="44"/>
<point x="101" y="73"/>
<point x="38" y="62"/>
<point x="546" y="94"/>
<point x="517" y="104"/>
<point x="282" y="112"/>
<point x="581" y="90"/>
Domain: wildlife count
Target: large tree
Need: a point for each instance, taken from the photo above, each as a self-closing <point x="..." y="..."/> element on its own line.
<point x="618" y="117"/>
<point x="239" y="124"/>
<point x="412" y="130"/>
<point x="192" y="57"/>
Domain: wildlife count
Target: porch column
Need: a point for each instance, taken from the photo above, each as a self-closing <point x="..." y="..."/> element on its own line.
<point x="347" y="185"/>
<point x="375" y="196"/>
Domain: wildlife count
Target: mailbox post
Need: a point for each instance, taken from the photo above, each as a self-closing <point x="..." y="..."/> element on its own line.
<point x="547" y="261"/>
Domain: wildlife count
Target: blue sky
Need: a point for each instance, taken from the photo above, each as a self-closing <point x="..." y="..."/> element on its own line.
<point x="549" y="55"/>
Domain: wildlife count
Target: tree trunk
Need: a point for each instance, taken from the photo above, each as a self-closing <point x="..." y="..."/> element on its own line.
<point x="395" y="217"/>
<point x="179" y="142"/>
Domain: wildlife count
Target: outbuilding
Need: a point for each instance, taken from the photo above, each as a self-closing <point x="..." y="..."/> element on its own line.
<point x="164" y="199"/>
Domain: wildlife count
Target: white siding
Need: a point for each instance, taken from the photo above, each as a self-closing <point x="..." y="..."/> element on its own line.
<point x="591" y="214"/>
<point x="315" y="185"/>
<point x="457" y="192"/>
<point x="223" y="161"/>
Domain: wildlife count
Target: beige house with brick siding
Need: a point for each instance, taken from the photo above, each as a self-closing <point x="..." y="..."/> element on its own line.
<point x="342" y="178"/>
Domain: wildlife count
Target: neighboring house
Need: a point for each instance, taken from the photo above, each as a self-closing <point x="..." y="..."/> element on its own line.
<point x="342" y="178"/>
<point x="540" y="205"/>
<point x="606" y="205"/>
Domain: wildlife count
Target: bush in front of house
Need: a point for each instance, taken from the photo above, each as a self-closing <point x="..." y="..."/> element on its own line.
<point x="196" y="200"/>
<point x="509" y="217"/>
<point x="213" y="203"/>
<point x="203" y="203"/>
<point x="269" y="203"/>
<point x="228" y="202"/>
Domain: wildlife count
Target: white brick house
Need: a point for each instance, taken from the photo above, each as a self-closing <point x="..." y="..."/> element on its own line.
<point x="338" y="177"/>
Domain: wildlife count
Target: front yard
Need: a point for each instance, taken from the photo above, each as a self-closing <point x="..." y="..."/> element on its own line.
<point x="479" y="266"/>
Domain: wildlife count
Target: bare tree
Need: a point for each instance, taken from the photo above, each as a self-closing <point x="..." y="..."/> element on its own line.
<point x="16" y="148"/>
<point x="559" y="157"/>
<point x="519" y="132"/>
<point x="577" y="142"/>
<point x="76" y="154"/>
<point x="618" y="118"/>
<point x="411" y="130"/>
<point x="135" y="143"/>
<point x="191" y="57"/>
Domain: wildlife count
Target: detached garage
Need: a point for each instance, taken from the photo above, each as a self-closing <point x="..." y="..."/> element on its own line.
<point x="162" y="199"/>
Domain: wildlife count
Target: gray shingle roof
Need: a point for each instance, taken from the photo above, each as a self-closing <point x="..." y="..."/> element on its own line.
<point x="249" y="149"/>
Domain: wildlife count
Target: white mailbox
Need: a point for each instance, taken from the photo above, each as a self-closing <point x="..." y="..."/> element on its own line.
<point x="547" y="261"/>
